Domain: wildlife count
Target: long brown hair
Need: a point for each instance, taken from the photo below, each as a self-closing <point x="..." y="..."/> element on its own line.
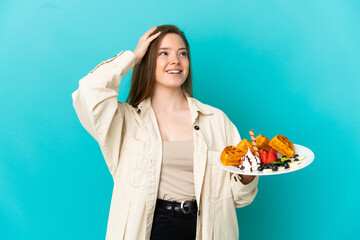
<point x="143" y="75"/>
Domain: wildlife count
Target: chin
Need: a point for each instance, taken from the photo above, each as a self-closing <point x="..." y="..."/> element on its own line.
<point x="171" y="83"/>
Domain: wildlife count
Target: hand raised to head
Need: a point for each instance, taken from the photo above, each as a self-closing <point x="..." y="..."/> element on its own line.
<point x="144" y="43"/>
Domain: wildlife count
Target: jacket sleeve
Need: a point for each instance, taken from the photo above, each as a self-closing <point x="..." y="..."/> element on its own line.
<point x="96" y="105"/>
<point x="243" y="194"/>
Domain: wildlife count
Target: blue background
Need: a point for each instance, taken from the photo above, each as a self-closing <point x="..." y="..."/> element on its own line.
<point x="278" y="67"/>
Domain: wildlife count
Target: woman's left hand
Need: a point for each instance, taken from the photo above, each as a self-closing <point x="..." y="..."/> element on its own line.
<point x="246" y="179"/>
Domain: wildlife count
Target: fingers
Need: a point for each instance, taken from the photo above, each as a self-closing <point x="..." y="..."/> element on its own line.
<point x="151" y="30"/>
<point x="154" y="36"/>
<point x="148" y="33"/>
<point x="144" y="43"/>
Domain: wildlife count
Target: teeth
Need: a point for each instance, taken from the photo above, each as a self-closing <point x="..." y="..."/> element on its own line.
<point x="172" y="72"/>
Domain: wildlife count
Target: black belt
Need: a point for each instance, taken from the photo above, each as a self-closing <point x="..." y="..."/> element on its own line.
<point x="185" y="207"/>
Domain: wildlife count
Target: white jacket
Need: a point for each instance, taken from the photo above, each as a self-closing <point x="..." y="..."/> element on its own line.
<point x="130" y="141"/>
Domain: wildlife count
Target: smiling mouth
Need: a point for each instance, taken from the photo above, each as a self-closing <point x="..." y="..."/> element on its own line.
<point x="174" y="72"/>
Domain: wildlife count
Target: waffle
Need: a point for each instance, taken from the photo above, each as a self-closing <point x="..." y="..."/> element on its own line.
<point x="263" y="142"/>
<point x="231" y="156"/>
<point x="282" y="145"/>
<point x="243" y="146"/>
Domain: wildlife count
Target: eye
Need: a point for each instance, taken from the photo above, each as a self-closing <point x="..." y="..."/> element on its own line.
<point x="161" y="53"/>
<point x="183" y="54"/>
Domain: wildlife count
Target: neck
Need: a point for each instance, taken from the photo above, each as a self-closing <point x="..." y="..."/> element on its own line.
<point x="168" y="99"/>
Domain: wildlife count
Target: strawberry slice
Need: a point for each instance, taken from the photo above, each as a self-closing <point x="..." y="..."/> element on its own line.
<point x="271" y="155"/>
<point x="263" y="156"/>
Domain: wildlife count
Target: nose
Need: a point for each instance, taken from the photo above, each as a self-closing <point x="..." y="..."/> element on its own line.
<point x="175" y="59"/>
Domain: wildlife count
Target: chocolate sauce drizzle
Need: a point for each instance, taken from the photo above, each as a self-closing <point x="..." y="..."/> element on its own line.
<point x="242" y="167"/>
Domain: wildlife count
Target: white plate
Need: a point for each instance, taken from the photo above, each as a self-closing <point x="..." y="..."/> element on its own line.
<point x="301" y="150"/>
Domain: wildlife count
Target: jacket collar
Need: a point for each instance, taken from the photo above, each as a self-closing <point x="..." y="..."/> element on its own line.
<point x="195" y="107"/>
<point x="144" y="105"/>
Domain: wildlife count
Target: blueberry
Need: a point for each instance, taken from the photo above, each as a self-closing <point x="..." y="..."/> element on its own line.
<point x="274" y="168"/>
<point x="296" y="159"/>
<point x="286" y="165"/>
<point x="260" y="168"/>
<point x="296" y="155"/>
<point x="278" y="159"/>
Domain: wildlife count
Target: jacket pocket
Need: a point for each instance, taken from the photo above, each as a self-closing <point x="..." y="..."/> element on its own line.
<point x="136" y="157"/>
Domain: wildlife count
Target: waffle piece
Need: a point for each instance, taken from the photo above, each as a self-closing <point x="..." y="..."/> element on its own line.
<point x="243" y="146"/>
<point x="263" y="142"/>
<point x="231" y="156"/>
<point x="282" y="145"/>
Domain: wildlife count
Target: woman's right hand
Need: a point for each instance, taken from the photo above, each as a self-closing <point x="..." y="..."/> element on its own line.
<point x="144" y="43"/>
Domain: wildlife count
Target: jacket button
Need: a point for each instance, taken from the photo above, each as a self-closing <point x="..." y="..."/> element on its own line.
<point x="196" y="127"/>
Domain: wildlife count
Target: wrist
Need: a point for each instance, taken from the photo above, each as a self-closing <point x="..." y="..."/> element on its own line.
<point x="246" y="179"/>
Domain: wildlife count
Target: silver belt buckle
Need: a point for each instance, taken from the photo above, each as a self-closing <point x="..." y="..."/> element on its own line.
<point x="182" y="208"/>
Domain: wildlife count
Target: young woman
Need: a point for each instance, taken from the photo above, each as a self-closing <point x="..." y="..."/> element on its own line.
<point x="162" y="145"/>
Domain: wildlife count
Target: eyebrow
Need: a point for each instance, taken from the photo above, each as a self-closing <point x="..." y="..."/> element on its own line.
<point x="170" y="48"/>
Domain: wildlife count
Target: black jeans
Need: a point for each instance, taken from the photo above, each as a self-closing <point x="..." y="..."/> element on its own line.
<point x="169" y="224"/>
